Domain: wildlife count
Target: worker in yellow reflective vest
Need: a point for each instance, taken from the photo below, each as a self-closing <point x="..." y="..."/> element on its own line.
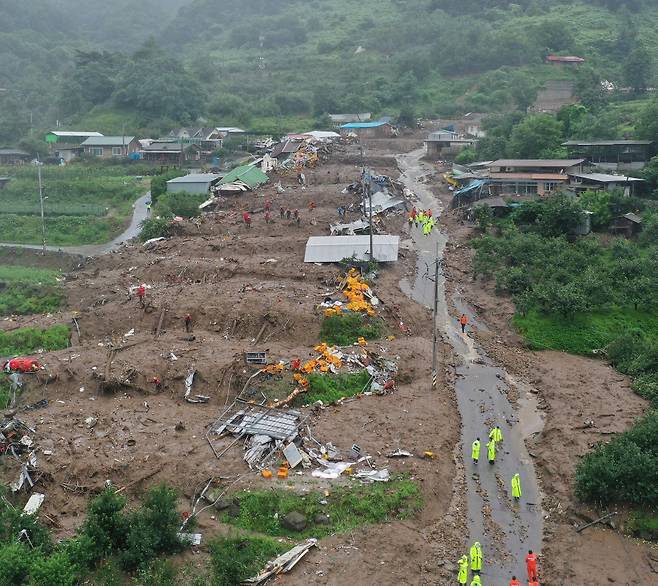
<point x="475" y="451"/>
<point x="491" y="451"/>
<point x="476" y="557"/>
<point x="476" y="581"/>
<point x="496" y="434"/>
<point x="516" y="487"/>
<point x="462" y="577"/>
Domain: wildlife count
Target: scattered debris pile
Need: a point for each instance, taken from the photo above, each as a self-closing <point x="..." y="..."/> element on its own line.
<point x="283" y="564"/>
<point x="17" y="441"/>
<point x="263" y="429"/>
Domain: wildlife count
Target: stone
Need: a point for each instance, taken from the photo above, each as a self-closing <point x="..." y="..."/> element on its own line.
<point x="294" y="521"/>
<point x="321" y="519"/>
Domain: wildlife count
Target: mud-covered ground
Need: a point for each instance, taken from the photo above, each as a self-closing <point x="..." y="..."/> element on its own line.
<point x="572" y="391"/>
<point x="239" y="285"/>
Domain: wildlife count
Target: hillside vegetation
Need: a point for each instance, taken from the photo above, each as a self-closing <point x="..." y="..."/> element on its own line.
<point x="81" y="61"/>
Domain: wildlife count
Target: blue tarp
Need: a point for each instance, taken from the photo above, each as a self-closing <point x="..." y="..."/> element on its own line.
<point x="470" y="187"/>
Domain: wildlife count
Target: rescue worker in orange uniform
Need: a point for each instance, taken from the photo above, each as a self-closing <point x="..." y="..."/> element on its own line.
<point x="514" y="582"/>
<point x="531" y="563"/>
<point x="463" y="320"/>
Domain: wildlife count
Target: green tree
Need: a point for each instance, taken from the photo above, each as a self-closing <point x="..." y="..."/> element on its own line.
<point x="536" y="136"/>
<point x="638" y="69"/>
<point x="597" y="202"/>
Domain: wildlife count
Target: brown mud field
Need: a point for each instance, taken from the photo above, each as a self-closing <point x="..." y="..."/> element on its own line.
<point x="249" y="289"/>
<point x="246" y="289"/>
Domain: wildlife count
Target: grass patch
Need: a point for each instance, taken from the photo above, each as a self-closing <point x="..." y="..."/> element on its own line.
<point x="644" y="525"/>
<point x="583" y="333"/>
<point x="5" y="395"/>
<point x="345" y="330"/>
<point x="330" y="388"/>
<point x="347" y="507"/>
<point x="234" y="559"/>
<point x="27" y="290"/>
<point x="29" y="340"/>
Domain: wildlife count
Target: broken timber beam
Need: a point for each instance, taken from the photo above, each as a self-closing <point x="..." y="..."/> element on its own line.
<point x="160" y="320"/>
<point x="599" y="520"/>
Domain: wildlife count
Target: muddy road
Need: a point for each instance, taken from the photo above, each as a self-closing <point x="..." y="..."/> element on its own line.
<point x="505" y="529"/>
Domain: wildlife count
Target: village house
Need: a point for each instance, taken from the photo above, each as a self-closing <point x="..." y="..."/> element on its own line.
<point x="107" y="147"/>
<point x="209" y="139"/>
<point x="193" y="183"/>
<point x="628" y="225"/>
<point x="446" y="144"/>
<point x="581" y="182"/>
<point x="66" y="145"/>
<point x="378" y="129"/>
<point x="530" y="176"/>
<point x="14" y="157"/>
<point x="612" y="155"/>
<point x="170" y="152"/>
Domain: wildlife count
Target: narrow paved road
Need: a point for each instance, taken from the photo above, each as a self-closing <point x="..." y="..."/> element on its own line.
<point x="139" y="214"/>
<point x="506" y="530"/>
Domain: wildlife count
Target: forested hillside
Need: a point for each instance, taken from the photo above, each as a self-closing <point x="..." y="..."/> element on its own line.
<point x="251" y="61"/>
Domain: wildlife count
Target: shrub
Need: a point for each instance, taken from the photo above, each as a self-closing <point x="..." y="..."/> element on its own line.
<point x="180" y="204"/>
<point x="346" y="329"/>
<point x="106" y="525"/>
<point x="156" y="228"/>
<point x="15" y="562"/>
<point x="55" y="569"/>
<point x="152" y="529"/>
<point x="624" y="471"/>
<point x="235" y="559"/>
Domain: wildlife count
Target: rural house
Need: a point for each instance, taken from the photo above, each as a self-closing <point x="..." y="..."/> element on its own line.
<point x="107" y="147"/>
<point x="170" y="152"/>
<point x="612" y="155"/>
<point x="446" y="144"/>
<point x="628" y="225"/>
<point x="209" y="139"/>
<point x="66" y="145"/>
<point x="193" y="183"/>
<point x="379" y="129"/>
<point x="581" y="182"/>
<point x="530" y="176"/>
<point x="13" y="157"/>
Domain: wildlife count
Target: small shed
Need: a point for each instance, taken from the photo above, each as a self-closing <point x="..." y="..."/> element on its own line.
<point x="194" y="183"/>
<point x="628" y="225"/>
<point x="379" y="129"/>
<point x="336" y="248"/>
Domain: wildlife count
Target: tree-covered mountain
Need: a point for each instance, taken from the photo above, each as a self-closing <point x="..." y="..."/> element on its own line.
<point x="157" y="62"/>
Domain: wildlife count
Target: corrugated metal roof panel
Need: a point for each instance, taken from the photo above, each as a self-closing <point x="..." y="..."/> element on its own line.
<point x="108" y="140"/>
<point x="336" y="248"/>
<point x="557" y="163"/>
<point x="248" y="174"/>
<point x="196" y="178"/>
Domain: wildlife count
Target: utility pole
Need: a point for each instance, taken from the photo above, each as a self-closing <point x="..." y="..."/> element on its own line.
<point x="43" y="219"/>
<point x="367" y="191"/>
<point x="434" y="320"/>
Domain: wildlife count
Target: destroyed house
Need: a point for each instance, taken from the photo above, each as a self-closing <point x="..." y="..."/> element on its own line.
<point x="530" y="176"/>
<point x="612" y="155"/>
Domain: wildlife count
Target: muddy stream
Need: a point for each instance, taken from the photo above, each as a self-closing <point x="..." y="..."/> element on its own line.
<point x="505" y="529"/>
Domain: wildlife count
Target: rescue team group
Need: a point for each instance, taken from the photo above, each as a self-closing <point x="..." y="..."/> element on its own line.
<point x="475" y="553"/>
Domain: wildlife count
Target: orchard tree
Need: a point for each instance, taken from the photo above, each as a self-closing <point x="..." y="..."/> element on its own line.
<point x="638" y="69"/>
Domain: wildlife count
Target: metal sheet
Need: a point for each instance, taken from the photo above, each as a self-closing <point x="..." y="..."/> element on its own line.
<point x="336" y="248"/>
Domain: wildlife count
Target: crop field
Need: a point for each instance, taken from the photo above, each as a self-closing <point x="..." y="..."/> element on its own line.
<point x="83" y="204"/>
